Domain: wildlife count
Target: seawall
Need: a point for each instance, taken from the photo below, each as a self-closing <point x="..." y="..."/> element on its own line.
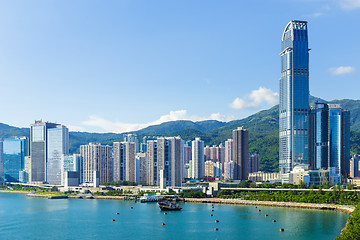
<point x="345" y="208"/>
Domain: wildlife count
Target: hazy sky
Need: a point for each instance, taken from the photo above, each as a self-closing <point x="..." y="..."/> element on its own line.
<point x="114" y="66"/>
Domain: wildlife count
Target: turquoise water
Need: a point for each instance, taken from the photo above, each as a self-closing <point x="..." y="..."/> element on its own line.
<point x="22" y="217"/>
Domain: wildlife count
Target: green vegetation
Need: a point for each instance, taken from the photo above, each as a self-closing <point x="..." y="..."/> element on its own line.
<point x="124" y="183"/>
<point x="18" y="187"/>
<point x="352" y="228"/>
<point x="336" y="196"/>
<point x="113" y="193"/>
<point x="196" y="194"/>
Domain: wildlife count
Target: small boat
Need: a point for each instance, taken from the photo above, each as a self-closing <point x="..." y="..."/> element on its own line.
<point x="146" y="198"/>
<point x="58" y="196"/>
<point x="166" y="205"/>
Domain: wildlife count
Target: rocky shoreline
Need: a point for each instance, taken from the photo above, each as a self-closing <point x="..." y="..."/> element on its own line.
<point x="345" y="208"/>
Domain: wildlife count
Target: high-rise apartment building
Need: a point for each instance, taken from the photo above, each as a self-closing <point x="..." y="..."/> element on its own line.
<point x="329" y="135"/>
<point x="132" y="138"/>
<point x="141" y="167"/>
<point x="47" y="144"/>
<point x="294" y="97"/>
<point x="254" y="163"/>
<point x="177" y="161"/>
<point x="241" y="153"/>
<point x="13" y="157"/>
<point x="228" y="170"/>
<point x="228" y="150"/>
<point x="197" y="160"/>
<point x="124" y="161"/>
<point x="354" y="166"/>
<point x="152" y="162"/>
<point x="209" y="168"/>
<point x="97" y="158"/>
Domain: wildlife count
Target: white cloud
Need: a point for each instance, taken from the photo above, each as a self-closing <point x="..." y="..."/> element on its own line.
<point x="349" y="4"/>
<point x="342" y="70"/>
<point x="75" y="128"/>
<point x="119" y="127"/>
<point x="256" y="98"/>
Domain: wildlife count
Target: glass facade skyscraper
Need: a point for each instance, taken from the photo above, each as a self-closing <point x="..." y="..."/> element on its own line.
<point x="14" y="152"/>
<point x="329" y="136"/>
<point x="294" y="97"/>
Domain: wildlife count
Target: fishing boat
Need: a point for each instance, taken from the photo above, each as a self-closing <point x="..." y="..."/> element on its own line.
<point x="166" y="205"/>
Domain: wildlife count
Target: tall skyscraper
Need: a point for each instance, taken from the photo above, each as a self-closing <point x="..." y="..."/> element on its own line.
<point x="14" y="152"/>
<point x="43" y="146"/>
<point x="57" y="145"/>
<point x="294" y="97"/>
<point x="96" y="158"/>
<point x="241" y="153"/>
<point x="197" y="160"/>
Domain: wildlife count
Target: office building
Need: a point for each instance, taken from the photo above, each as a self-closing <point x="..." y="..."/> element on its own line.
<point x="13" y="157"/>
<point x="329" y="146"/>
<point x="294" y="97"/>
<point x="42" y="147"/>
<point x="71" y="163"/>
<point x="57" y="145"/>
<point x="241" y="153"/>
<point x="97" y="163"/>
<point x="197" y="159"/>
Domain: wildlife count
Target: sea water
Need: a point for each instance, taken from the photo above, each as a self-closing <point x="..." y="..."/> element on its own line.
<point x="24" y="217"/>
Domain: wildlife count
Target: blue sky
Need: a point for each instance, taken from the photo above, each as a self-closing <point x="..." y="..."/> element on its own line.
<point x="115" y="66"/>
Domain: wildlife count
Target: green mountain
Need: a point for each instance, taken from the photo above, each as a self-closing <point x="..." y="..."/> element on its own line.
<point x="179" y="125"/>
<point x="263" y="132"/>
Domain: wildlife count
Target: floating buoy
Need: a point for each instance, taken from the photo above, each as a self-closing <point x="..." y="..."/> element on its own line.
<point x="163" y="224"/>
<point x="266" y="215"/>
<point x="165" y="213"/>
<point x="281" y="229"/>
<point x="113" y="220"/>
<point x="259" y="210"/>
<point x="212" y="210"/>
<point x="131" y="207"/>
<point x="117" y="213"/>
<point x="216" y="229"/>
<point x="255" y="207"/>
<point x="274" y="220"/>
<point x="216" y="221"/>
<point x="211" y="215"/>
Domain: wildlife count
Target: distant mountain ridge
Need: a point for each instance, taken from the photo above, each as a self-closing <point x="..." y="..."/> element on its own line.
<point x="263" y="129"/>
